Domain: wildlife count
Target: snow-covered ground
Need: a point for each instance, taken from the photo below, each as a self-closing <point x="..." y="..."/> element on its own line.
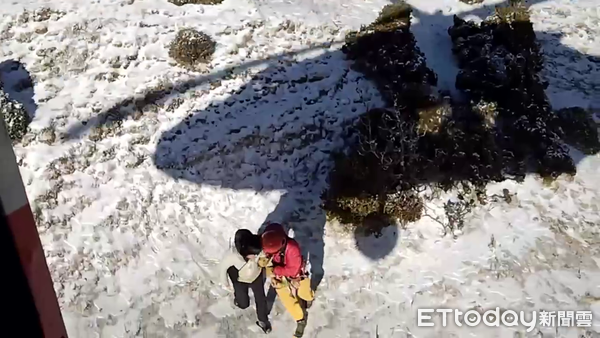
<point x="135" y="216"/>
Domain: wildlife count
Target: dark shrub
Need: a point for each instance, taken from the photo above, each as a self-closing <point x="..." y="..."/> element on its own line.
<point x="500" y="62"/>
<point x="423" y="138"/>
<point x="418" y="139"/>
<point x="386" y="52"/>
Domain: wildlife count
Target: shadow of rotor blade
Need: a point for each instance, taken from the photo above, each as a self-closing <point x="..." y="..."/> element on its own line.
<point x="139" y="102"/>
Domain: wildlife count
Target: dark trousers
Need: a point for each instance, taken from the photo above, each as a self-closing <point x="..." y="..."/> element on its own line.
<point x="243" y="298"/>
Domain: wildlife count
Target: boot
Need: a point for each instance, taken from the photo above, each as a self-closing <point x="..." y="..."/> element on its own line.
<point x="300" y="326"/>
<point x="306" y="304"/>
<point x="265" y="326"/>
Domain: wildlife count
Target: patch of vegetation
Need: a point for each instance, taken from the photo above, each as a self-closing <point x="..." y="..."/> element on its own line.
<point x="195" y="2"/>
<point x="431" y="119"/>
<point x="456" y="210"/>
<point x="579" y="129"/>
<point x="515" y="12"/>
<point x="107" y="129"/>
<point x="405" y="206"/>
<point x="393" y="15"/>
<point x="49" y="200"/>
<point x="47" y="135"/>
<point x="386" y="52"/>
<point x="420" y="138"/>
<point x="425" y="138"/>
<point x="352" y="210"/>
<point x="16" y="118"/>
<point x="500" y="61"/>
<point x="191" y="47"/>
<point x="45" y="14"/>
<point x="41" y="15"/>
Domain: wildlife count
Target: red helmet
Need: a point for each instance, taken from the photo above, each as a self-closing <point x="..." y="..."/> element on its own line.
<point x="273" y="239"/>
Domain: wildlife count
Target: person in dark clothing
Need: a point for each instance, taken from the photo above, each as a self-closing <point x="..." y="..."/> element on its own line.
<point x="240" y="266"/>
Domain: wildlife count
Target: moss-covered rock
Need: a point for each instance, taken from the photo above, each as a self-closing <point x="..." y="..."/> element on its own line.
<point x="191" y="47"/>
<point x="15" y="117"/>
<point x="579" y="129"/>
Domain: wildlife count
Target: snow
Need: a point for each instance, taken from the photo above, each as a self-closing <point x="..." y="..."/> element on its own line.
<point x="133" y="225"/>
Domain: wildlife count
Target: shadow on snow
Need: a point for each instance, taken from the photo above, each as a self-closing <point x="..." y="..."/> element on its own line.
<point x="17" y="83"/>
<point x="276" y="132"/>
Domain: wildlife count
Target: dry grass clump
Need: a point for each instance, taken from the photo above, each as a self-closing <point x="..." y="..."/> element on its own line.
<point x="191" y="47"/>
